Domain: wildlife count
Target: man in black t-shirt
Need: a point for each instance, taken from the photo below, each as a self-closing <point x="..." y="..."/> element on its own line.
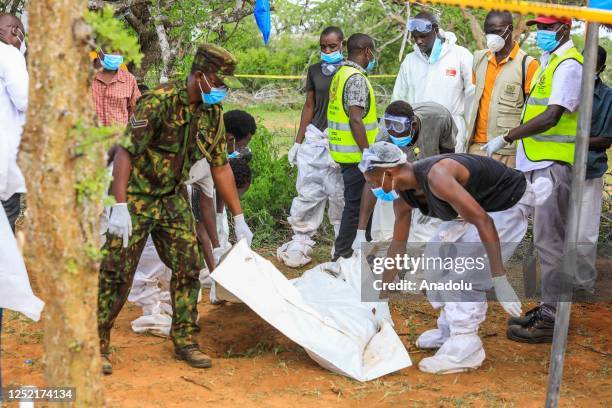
<point x="319" y="178"/>
<point x="494" y="203"/>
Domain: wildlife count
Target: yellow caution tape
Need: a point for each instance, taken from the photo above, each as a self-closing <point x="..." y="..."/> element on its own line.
<point x="263" y="76"/>
<point x="534" y="7"/>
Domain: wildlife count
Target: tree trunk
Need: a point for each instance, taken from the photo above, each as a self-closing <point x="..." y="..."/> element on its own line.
<point x="63" y="234"/>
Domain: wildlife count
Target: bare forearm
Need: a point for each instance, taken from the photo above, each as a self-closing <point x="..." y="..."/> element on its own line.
<point x="490" y="240"/>
<point x="226" y="187"/>
<point x="207" y="211"/>
<point x="359" y="133"/>
<point x="539" y="124"/>
<point x="401" y="231"/>
<point x="122" y="168"/>
<point x="368" y="202"/>
<point x="307" y="115"/>
<point x="600" y="142"/>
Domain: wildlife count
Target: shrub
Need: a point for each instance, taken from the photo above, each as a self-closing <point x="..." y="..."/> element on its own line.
<point x="267" y="202"/>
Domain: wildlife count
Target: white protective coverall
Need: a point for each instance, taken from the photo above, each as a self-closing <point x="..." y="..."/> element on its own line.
<point x="151" y="291"/>
<point x="15" y="290"/>
<point x="448" y="82"/>
<point x="319" y="181"/>
<point x="422" y="228"/>
<point x="460" y="348"/>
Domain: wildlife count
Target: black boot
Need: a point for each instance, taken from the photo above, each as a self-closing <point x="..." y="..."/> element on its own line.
<point x="539" y="329"/>
<point x="107" y="367"/>
<point x="193" y="356"/>
<point x="523" y="320"/>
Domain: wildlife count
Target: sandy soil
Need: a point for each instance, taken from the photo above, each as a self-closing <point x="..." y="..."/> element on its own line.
<point x="257" y="366"/>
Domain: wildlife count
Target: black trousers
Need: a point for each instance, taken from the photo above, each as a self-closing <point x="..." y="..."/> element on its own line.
<point x="354" y="183"/>
<point x="12" y="208"/>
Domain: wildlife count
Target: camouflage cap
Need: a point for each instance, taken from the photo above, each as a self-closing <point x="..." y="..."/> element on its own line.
<point x="219" y="61"/>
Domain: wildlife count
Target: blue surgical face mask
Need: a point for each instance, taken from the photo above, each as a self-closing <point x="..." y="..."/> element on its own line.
<point x="435" y="51"/>
<point x="332" y="57"/>
<point x="401" y="141"/>
<point x="371" y="65"/>
<point x="112" y="62"/>
<point x="546" y="40"/>
<point x="382" y="195"/>
<point x="215" y="96"/>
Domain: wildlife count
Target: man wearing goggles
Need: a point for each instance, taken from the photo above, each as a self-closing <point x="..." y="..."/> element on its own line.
<point x="420" y="131"/>
<point x="437" y="70"/>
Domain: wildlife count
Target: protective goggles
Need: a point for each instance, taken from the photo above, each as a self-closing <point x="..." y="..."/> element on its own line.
<point x="420" y="25"/>
<point x="398" y="124"/>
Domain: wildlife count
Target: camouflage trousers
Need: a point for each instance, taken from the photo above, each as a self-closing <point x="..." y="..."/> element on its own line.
<point x="170" y="222"/>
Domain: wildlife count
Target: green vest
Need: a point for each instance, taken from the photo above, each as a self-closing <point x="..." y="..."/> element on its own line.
<point x="558" y="142"/>
<point x="342" y="145"/>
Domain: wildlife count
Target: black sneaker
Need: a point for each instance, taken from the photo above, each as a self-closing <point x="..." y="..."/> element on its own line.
<point x="539" y="329"/>
<point x="107" y="367"/>
<point x="523" y="320"/>
<point x="193" y="356"/>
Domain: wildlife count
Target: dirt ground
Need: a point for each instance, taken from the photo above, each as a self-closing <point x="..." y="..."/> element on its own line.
<point x="256" y="366"/>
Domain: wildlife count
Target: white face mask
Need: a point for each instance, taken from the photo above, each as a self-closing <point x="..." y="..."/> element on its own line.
<point x="495" y="42"/>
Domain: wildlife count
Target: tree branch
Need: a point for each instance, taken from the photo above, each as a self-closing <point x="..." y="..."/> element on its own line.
<point x="475" y="28"/>
<point x="164" y="45"/>
<point x="119" y="6"/>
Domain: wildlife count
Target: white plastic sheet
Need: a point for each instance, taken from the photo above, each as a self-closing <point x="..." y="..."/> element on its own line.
<point x="322" y="312"/>
<point x="15" y="291"/>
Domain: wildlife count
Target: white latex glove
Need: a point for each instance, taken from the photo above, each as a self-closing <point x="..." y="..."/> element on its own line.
<point x="359" y="238"/>
<point x="292" y="155"/>
<point x="120" y="222"/>
<point x="507" y="296"/>
<point x="242" y="229"/>
<point x="494" y="145"/>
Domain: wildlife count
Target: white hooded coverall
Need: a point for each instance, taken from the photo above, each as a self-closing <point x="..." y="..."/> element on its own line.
<point x="448" y="82"/>
<point x="319" y="181"/>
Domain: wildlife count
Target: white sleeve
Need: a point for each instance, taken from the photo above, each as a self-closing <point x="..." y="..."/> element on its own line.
<point x="566" y="85"/>
<point x="467" y="61"/>
<point x="401" y="88"/>
<point x="16" y="80"/>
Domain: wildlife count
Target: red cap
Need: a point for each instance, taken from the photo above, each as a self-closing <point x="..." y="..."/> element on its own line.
<point x="550" y="20"/>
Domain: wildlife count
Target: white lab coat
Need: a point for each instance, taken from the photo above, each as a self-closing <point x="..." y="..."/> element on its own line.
<point x="13" y="104"/>
<point x="15" y="291"/>
<point x="447" y="82"/>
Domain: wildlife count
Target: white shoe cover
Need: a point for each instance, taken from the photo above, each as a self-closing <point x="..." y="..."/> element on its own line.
<point x="295" y="254"/>
<point x="433" y="339"/>
<point x="156" y="324"/>
<point x="461" y="352"/>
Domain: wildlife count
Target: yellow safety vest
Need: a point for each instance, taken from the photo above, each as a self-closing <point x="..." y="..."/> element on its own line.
<point x="558" y="142"/>
<point x="342" y="145"/>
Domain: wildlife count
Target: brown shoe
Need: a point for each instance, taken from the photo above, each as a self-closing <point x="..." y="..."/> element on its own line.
<point x="107" y="367"/>
<point x="539" y="330"/>
<point x="193" y="356"/>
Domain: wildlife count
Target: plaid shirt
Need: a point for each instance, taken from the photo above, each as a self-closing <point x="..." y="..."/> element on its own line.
<point x="115" y="101"/>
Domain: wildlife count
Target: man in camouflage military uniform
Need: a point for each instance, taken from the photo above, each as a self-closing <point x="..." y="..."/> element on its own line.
<point x="171" y="129"/>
